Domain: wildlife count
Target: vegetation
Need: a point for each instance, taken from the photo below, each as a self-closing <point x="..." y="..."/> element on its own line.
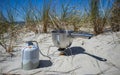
<point x="8" y="31"/>
<point x="3" y="29"/>
<point x="70" y="16"/>
<point x="47" y="17"/>
<point x="98" y="18"/>
<point x="115" y="18"/>
<point x="95" y="15"/>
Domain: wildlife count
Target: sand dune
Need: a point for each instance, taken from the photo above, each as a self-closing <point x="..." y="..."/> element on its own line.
<point x="96" y="56"/>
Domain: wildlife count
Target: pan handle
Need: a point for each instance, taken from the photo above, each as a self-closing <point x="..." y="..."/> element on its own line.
<point x="82" y="35"/>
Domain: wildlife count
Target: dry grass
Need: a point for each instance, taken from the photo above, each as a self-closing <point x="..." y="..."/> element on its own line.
<point x="115" y="20"/>
<point x="45" y="20"/>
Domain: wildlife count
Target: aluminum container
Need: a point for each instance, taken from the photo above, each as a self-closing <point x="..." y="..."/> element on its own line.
<point x="30" y="56"/>
<point x="63" y="38"/>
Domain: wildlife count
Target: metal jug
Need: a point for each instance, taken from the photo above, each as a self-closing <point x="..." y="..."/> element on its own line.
<point x="30" y="55"/>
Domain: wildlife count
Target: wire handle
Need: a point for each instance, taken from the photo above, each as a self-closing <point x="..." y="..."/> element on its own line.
<point x="40" y="50"/>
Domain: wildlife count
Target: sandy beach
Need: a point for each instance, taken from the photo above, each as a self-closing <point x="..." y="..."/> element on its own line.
<point x="96" y="56"/>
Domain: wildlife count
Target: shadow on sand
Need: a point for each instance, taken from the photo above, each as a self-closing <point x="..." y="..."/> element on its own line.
<point x="44" y="63"/>
<point x="79" y="50"/>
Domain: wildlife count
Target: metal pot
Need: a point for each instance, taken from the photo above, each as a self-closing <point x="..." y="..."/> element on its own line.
<point x="63" y="38"/>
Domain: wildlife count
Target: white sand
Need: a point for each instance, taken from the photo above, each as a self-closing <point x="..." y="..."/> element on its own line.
<point x="84" y="61"/>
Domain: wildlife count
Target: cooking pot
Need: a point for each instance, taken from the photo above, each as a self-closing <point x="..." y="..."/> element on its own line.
<point x="63" y="38"/>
